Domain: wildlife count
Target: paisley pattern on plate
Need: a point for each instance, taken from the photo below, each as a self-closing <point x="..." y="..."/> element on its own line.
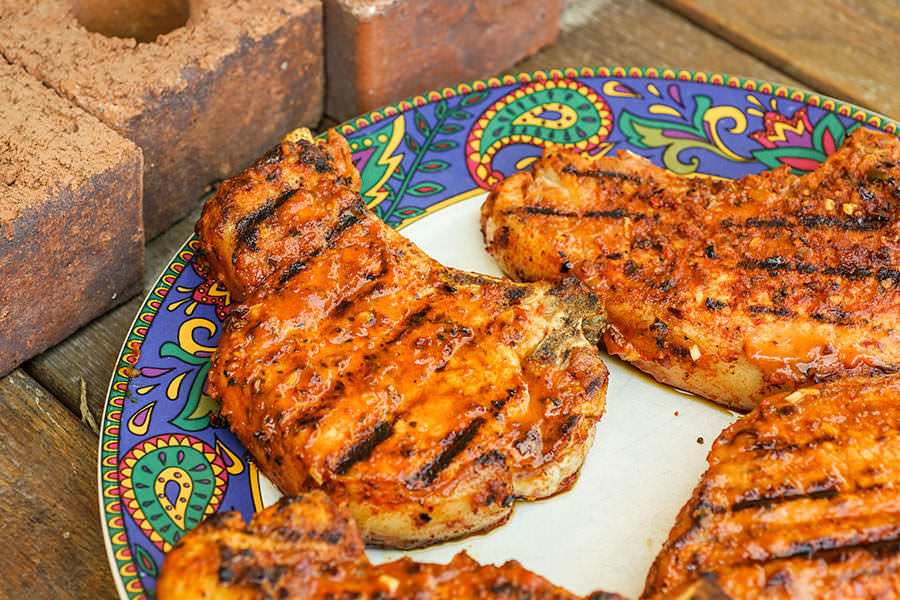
<point x="165" y="462"/>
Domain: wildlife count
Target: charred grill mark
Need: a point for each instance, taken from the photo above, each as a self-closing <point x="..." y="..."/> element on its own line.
<point x="346" y="220"/>
<point x="509" y="589"/>
<point x="630" y="268"/>
<point x="313" y="417"/>
<point x="248" y="226"/>
<point x="362" y="449"/>
<point x="771" y="310"/>
<point x="883" y="274"/>
<point x="515" y="293"/>
<point x="714" y="304"/>
<point x="274" y="174"/>
<point x="464" y="278"/>
<point x="453" y="444"/>
<point x="835" y="317"/>
<point x="594" y="385"/>
<point x="502" y="237"/>
<point x="779" y="447"/>
<point x="773" y="264"/>
<point x="766" y="502"/>
<point x="867" y="222"/>
<point x="314" y="156"/>
<point x="848" y="273"/>
<point x="779" y="223"/>
<point x="240" y="566"/>
<point x="833" y="550"/>
<point x="679" y="350"/>
<point x="600" y="174"/>
<point x="293" y="268"/>
<point x="542" y="210"/>
<point x="275" y="155"/>
<point x="494" y="457"/>
<point x="882" y="549"/>
<point x="615" y="213"/>
<point x="498" y="404"/>
<point x="568" y="424"/>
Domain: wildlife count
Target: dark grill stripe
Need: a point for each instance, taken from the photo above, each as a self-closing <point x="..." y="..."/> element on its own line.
<point x="600" y="174"/>
<point x="293" y="268"/>
<point x="616" y="213"/>
<point x="347" y="219"/>
<point x="862" y="223"/>
<point x="771" y="310"/>
<point x="453" y="444"/>
<point x="362" y="449"/>
<point x="827" y="493"/>
<point x="714" y="304"/>
<point x="880" y="550"/>
<point x="778" y="263"/>
<point x="248" y="226"/>
<point x="834" y="317"/>
<point x="834" y="550"/>
<point x="595" y="384"/>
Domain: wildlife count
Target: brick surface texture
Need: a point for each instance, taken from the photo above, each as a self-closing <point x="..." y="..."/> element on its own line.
<point x="71" y="242"/>
<point x="202" y="101"/>
<point x="381" y="51"/>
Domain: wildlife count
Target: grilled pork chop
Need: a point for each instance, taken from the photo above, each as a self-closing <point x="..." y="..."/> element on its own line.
<point x="801" y="500"/>
<point x="424" y="398"/>
<point x="730" y="289"/>
<point x="308" y="548"/>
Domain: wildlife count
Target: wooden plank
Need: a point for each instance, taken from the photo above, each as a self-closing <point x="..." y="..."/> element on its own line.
<point x="50" y="534"/>
<point x="845" y="48"/>
<point x="90" y="354"/>
<point x="641" y="33"/>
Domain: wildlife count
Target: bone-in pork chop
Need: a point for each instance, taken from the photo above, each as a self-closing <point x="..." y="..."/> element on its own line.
<point x="424" y="398"/>
<point x="733" y="290"/>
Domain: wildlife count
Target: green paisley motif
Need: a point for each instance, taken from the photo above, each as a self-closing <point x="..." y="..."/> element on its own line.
<point x="700" y="132"/>
<point x="170" y="482"/>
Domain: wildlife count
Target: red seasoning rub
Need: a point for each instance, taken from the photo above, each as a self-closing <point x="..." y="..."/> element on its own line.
<point x="306" y="548"/>
<point x="800" y="501"/>
<point x="730" y="289"/>
<point x="424" y="398"/>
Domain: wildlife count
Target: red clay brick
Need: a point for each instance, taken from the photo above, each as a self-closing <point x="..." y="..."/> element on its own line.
<point x="71" y="242"/>
<point x="201" y="101"/>
<point x="381" y="51"/>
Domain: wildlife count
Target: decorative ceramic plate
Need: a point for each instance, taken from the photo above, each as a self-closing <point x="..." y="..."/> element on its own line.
<point x="426" y="165"/>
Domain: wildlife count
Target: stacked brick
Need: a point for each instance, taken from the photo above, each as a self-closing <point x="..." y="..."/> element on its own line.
<point x="381" y="51"/>
<point x="199" y="88"/>
<point x="71" y="242"/>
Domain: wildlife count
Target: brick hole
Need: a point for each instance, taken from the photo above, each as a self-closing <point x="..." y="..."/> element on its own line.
<point x="142" y="20"/>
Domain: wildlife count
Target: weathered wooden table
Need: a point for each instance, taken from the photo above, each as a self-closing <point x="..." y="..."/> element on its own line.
<point x="50" y="528"/>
